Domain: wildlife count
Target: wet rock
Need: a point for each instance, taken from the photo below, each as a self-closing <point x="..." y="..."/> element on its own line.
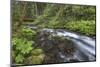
<point x="59" y="49"/>
<point x="52" y="45"/>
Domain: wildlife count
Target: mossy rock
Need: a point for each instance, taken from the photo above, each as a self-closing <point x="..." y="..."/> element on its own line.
<point x="37" y="51"/>
<point x="35" y="59"/>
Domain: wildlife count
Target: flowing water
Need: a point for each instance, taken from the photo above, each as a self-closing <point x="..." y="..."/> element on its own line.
<point x="85" y="45"/>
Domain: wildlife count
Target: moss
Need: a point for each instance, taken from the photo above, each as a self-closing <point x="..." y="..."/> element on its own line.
<point x="36" y="57"/>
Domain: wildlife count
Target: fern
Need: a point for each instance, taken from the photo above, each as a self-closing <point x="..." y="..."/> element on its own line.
<point x="22" y="47"/>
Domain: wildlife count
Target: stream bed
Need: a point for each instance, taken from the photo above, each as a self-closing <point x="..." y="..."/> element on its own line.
<point x="64" y="46"/>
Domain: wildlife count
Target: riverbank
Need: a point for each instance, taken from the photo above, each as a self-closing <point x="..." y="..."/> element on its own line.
<point x="87" y="30"/>
<point x="53" y="46"/>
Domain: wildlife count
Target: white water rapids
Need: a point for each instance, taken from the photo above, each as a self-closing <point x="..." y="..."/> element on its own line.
<point x="84" y="44"/>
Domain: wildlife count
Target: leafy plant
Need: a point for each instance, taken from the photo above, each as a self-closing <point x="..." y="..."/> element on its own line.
<point x="84" y="27"/>
<point x="19" y="58"/>
<point x="22" y="47"/>
<point x="28" y="33"/>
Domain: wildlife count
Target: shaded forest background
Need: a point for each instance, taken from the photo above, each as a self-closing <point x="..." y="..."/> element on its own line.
<point x="77" y="18"/>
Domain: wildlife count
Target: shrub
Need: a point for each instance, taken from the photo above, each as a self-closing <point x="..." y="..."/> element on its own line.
<point x="21" y="47"/>
<point x="28" y="33"/>
<point x="84" y="27"/>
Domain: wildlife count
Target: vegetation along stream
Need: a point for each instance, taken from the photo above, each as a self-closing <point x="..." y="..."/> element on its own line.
<point x="65" y="46"/>
<point x="49" y="33"/>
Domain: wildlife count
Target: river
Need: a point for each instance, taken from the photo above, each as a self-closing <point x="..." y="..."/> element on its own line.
<point x="85" y="46"/>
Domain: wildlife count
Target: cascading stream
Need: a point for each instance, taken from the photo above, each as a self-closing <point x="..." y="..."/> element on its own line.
<point x="84" y="44"/>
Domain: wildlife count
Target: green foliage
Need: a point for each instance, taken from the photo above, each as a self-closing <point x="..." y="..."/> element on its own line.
<point x="84" y="27"/>
<point x="19" y="58"/>
<point x="22" y="47"/>
<point x="83" y="12"/>
<point x="22" y="44"/>
<point x="55" y="25"/>
<point x="28" y="33"/>
<point x="71" y="17"/>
